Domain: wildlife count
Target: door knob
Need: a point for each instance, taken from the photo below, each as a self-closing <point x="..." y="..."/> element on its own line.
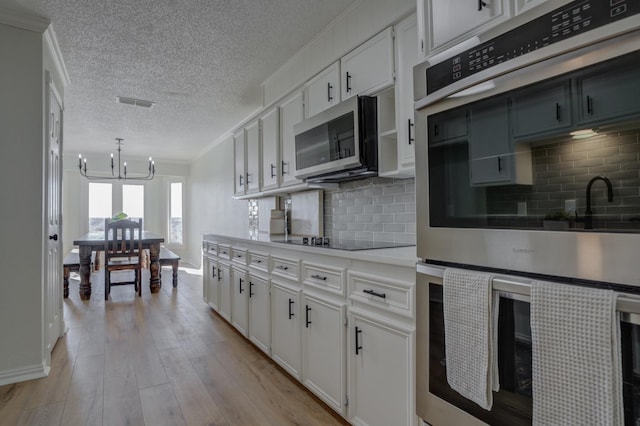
<point x="53" y="237"/>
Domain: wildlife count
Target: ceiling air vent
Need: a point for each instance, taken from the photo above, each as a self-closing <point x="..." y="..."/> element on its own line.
<point x="135" y="102"/>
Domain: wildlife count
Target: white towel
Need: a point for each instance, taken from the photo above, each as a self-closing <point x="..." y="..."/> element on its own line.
<point x="469" y="338"/>
<point x="577" y="374"/>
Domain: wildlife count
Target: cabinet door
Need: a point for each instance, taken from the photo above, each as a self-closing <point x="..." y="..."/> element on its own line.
<point x="224" y="291"/>
<point x="259" y="312"/>
<point x="489" y="142"/>
<point x="240" y="301"/>
<point x="205" y="279"/>
<point x="291" y="113"/>
<point x="408" y="55"/>
<point x="323" y="91"/>
<point x="380" y="374"/>
<point x="253" y="156"/>
<point x="368" y="68"/>
<point x="448" y="22"/>
<point x="270" y="126"/>
<point x="323" y="350"/>
<point x="540" y="110"/>
<point x="240" y="180"/>
<point x="285" y="328"/>
<point x="213" y="285"/>
<point x="609" y="93"/>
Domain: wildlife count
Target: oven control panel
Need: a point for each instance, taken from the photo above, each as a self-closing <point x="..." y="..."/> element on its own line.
<point x="570" y="20"/>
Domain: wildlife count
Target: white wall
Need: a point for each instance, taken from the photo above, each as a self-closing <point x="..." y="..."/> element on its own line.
<point x="21" y="192"/>
<point x="212" y="208"/>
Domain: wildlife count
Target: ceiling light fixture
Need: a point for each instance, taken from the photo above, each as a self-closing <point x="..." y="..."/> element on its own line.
<point x="82" y="166"/>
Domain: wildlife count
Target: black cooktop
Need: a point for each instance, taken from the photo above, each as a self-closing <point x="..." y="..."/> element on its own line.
<point x="350" y="245"/>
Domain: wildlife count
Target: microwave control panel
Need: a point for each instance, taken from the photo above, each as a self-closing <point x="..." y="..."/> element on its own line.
<point x="570" y="20"/>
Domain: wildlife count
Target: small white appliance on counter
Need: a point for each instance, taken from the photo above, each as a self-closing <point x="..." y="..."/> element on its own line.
<point x="527" y="168"/>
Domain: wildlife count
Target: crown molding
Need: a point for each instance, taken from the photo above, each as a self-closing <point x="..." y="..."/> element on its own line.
<point x="52" y="43"/>
<point x="23" y="20"/>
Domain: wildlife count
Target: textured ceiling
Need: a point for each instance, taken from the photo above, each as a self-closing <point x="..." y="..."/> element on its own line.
<point x="200" y="61"/>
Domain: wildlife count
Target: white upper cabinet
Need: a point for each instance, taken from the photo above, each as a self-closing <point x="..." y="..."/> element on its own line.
<point x="447" y="23"/>
<point x="253" y="156"/>
<point x="291" y="113"/>
<point x="408" y="55"/>
<point x="323" y="91"/>
<point x="368" y="68"/>
<point x="240" y="178"/>
<point x="270" y="126"/>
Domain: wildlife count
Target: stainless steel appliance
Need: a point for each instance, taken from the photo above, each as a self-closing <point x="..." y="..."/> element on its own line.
<point x="340" y="143"/>
<point x="497" y="166"/>
<point x="501" y="183"/>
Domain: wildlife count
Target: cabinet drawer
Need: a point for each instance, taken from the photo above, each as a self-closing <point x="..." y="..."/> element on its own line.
<point x="239" y="255"/>
<point x="286" y="268"/>
<point x="382" y="293"/>
<point x="210" y="248"/>
<point x="324" y="277"/>
<point x="224" y="251"/>
<point x="259" y="261"/>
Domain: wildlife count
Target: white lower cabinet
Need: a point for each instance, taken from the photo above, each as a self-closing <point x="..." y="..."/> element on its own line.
<point x="224" y="290"/>
<point x="380" y="373"/>
<point x="240" y="300"/>
<point x="211" y="281"/>
<point x="323" y="349"/>
<point x="260" y="312"/>
<point x="285" y="326"/>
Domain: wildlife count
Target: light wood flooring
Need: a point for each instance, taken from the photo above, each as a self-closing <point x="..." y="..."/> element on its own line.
<point x="163" y="359"/>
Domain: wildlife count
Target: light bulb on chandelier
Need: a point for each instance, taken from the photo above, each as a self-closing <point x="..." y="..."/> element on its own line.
<point x="82" y="166"/>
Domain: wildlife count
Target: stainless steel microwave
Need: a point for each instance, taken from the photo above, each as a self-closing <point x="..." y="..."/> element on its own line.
<point x="340" y="143"/>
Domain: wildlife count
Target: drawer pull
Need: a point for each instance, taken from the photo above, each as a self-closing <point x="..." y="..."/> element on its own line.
<point x="282" y="267"/>
<point x="319" y="277"/>
<point x="375" y="293"/>
<point x="257" y="261"/>
<point x="238" y="255"/>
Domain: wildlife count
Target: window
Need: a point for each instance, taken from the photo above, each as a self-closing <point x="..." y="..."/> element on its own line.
<point x="133" y="201"/>
<point x="175" y="213"/>
<point x="99" y="205"/>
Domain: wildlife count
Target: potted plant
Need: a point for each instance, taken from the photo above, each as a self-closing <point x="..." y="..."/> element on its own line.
<point x="556" y="220"/>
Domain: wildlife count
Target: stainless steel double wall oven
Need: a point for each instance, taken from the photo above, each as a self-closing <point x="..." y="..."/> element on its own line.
<point x="528" y="166"/>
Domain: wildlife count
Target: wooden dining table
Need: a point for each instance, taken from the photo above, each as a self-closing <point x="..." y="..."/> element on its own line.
<point x="94" y="241"/>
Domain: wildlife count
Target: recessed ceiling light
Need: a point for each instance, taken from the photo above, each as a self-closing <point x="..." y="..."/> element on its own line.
<point x="135" y="102"/>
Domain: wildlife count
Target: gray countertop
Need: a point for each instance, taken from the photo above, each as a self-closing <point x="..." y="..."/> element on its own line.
<point x="400" y="256"/>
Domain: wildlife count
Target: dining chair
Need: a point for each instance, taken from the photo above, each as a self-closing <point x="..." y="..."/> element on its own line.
<point x="122" y="252"/>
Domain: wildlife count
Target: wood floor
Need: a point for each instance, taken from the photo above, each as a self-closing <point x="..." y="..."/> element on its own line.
<point x="163" y="359"/>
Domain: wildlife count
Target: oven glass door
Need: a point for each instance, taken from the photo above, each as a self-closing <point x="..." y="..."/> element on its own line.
<point x="560" y="155"/>
<point x="630" y="333"/>
<point x="512" y="405"/>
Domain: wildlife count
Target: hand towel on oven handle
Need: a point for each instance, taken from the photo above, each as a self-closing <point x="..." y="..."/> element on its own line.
<point x="576" y="370"/>
<point x="470" y="318"/>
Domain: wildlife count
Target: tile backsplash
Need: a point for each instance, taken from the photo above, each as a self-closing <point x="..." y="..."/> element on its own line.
<point x="374" y="209"/>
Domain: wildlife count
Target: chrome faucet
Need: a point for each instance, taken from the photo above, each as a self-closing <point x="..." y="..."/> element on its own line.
<point x="588" y="214"/>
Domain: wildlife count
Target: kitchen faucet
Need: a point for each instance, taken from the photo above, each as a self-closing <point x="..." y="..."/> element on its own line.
<point x="588" y="214"/>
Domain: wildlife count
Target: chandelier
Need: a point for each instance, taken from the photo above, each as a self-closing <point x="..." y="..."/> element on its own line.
<point x="82" y="166"/>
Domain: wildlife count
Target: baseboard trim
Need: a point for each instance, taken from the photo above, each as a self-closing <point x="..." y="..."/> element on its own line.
<point x="37" y="371"/>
